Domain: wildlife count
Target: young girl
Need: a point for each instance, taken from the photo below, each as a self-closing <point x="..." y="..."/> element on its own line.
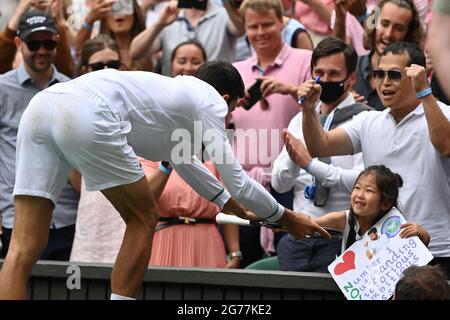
<point x="374" y="194"/>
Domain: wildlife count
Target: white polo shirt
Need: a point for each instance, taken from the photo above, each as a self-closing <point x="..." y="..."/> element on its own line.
<point x="156" y="110"/>
<point x="340" y="175"/>
<point x="406" y="149"/>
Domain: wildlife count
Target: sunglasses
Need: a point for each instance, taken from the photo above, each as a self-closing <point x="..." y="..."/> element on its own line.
<point x="47" y="44"/>
<point x="113" y="64"/>
<point x="393" y="75"/>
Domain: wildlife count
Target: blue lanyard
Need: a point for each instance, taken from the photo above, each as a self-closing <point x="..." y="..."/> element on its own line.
<point x="192" y="34"/>
<point x="328" y="122"/>
<point x="310" y="190"/>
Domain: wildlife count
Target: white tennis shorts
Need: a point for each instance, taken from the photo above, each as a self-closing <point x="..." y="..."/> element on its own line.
<point x="60" y="131"/>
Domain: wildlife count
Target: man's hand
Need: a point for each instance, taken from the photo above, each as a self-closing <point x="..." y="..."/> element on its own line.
<point x="100" y="10"/>
<point x="418" y="76"/>
<point x="169" y="14"/>
<point x="300" y="225"/>
<point x="271" y="85"/>
<point x="296" y="149"/>
<point x="310" y="92"/>
<point x="359" y="98"/>
<point x="233" y="207"/>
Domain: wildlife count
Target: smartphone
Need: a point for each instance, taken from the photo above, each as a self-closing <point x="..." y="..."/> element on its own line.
<point x="122" y="8"/>
<point x="200" y="4"/>
<point x="255" y="94"/>
<point x="185" y="3"/>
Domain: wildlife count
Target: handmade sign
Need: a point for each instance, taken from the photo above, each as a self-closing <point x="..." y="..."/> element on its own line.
<point x="372" y="266"/>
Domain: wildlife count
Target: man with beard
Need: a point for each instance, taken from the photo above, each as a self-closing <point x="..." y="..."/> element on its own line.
<point x="398" y="21"/>
<point x="36" y="39"/>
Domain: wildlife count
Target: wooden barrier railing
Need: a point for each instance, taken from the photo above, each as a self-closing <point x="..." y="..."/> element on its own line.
<point x="59" y="280"/>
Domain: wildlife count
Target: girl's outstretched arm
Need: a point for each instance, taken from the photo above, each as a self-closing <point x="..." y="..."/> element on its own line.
<point x="332" y="220"/>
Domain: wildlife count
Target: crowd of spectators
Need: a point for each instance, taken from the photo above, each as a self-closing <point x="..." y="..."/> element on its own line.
<point x="362" y="68"/>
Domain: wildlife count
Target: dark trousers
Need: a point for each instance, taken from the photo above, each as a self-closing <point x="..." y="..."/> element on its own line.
<point x="58" y="247"/>
<point x="444" y="263"/>
<point x="307" y="255"/>
<point x="249" y="236"/>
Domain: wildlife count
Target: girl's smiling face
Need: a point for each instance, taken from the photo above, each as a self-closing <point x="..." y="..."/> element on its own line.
<point x="366" y="197"/>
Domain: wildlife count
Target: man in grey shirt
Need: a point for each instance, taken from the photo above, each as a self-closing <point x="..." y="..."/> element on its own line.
<point x="216" y="28"/>
<point x="37" y="39"/>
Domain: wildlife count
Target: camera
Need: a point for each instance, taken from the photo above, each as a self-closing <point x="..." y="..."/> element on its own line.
<point x="197" y="4"/>
<point x="122" y="8"/>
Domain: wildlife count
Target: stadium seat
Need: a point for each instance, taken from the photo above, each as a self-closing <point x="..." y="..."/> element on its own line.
<point x="270" y="263"/>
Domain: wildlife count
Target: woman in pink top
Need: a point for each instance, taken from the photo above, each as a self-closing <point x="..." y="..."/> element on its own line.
<point x="189" y="245"/>
<point x="98" y="236"/>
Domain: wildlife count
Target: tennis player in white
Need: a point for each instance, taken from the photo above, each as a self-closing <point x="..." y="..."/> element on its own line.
<point x="98" y="124"/>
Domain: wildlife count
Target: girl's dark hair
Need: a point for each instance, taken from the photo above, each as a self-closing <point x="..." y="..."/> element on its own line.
<point x="415" y="29"/>
<point x="94" y="45"/>
<point x="185" y="43"/>
<point x="138" y="22"/>
<point x="388" y="183"/>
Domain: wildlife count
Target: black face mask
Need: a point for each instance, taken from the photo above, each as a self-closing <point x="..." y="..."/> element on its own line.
<point x="332" y="90"/>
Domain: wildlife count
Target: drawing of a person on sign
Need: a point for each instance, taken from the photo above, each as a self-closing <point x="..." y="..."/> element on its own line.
<point x="376" y="242"/>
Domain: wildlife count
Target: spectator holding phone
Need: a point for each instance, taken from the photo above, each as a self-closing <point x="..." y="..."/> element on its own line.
<point x="216" y="28"/>
<point x="121" y="20"/>
<point x="277" y="70"/>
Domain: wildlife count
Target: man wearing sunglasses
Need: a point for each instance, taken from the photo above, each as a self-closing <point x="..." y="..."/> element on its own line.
<point x="36" y="40"/>
<point x="409" y="137"/>
<point x="63" y="62"/>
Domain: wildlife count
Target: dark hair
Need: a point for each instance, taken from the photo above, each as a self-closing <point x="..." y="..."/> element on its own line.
<point x="415" y="53"/>
<point x="185" y="43"/>
<point x="388" y="183"/>
<point x="224" y="77"/>
<point x="422" y="283"/>
<point x="99" y="43"/>
<point x="415" y="29"/>
<point x="333" y="45"/>
<point x="372" y="230"/>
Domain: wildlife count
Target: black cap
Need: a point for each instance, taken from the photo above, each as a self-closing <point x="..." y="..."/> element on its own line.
<point x="33" y="21"/>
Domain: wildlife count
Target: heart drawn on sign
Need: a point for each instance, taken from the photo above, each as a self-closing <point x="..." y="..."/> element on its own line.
<point x="347" y="264"/>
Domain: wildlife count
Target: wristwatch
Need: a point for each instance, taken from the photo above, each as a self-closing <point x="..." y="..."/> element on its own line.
<point x="236" y="254"/>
